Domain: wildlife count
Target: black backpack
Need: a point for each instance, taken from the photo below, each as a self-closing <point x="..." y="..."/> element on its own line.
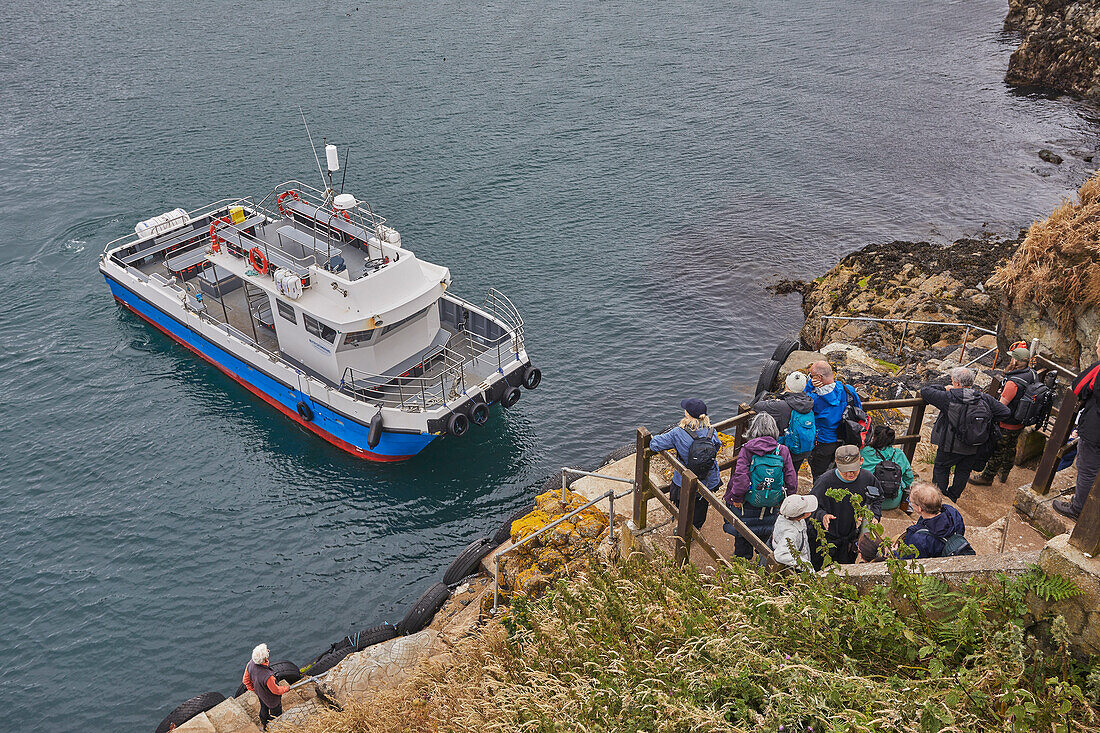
<point x="953" y="544"/>
<point x="1034" y="401"/>
<point x="888" y="475"/>
<point x="701" y="455"/>
<point x="970" y="421"/>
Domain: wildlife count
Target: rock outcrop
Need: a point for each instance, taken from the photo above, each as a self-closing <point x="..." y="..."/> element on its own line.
<point x="1060" y="48"/>
<point x="1051" y="285"/>
<point x="917" y="281"/>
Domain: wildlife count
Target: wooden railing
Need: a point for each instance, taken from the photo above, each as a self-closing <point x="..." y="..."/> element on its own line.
<point x="690" y="486"/>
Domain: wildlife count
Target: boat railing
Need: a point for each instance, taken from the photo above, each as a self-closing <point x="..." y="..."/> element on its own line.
<point x="207" y="211"/>
<point x="411" y="390"/>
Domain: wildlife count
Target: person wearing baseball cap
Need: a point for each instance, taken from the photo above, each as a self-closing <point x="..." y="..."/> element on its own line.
<point x="790" y="540"/>
<point x="842" y="526"/>
<point x="694" y="426"/>
<point x="1018" y="375"/>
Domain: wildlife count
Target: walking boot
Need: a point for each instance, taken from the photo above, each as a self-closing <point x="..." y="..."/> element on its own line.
<point x="1004" y="477"/>
<point x="982" y="480"/>
<point x="1065" y="508"/>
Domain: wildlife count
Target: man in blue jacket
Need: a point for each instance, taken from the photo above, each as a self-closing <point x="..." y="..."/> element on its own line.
<point x="831" y="398"/>
<point x="936" y="522"/>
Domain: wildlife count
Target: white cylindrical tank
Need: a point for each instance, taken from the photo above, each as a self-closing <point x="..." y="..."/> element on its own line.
<point x="391" y="236"/>
<point x="333" y="157"/>
<point x="162" y="223"/>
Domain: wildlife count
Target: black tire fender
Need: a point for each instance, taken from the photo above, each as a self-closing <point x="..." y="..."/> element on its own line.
<point x="532" y="377"/>
<point x="421" y="613"/>
<point x="305" y="411"/>
<point x="458" y="424"/>
<point x="189" y="709"/>
<point x="330" y="657"/>
<point x="505" y="530"/>
<point x="468" y="560"/>
<point x="364" y="638"/>
<point x="478" y="413"/>
<point x="374" y="432"/>
<point x="768" y="376"/>
<point x="510" y="397"/>
<point x="785" y="348"/>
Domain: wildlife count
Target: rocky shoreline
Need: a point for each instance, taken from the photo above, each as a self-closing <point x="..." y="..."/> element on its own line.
<point x="1060" y="49"/>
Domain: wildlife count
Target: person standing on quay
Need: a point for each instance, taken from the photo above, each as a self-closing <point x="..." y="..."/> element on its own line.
<point x="831" y="398"/>
<point x="259" y="678"/>
<point x="1088" y="439"/>
<point x="963" y="427"/>
<point x="838" y="516"/>
<point x="1017" y="376"/>
<point x="694" y="425"/>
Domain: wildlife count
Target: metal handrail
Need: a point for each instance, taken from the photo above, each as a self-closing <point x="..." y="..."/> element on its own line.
<point x="610" y="495"/>
<point x="199" y="213"/>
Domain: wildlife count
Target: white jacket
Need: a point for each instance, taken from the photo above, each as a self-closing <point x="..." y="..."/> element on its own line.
<point x="795" y="531"/>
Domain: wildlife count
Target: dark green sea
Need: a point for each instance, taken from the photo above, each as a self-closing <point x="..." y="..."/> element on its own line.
<point x="631" y="175"/>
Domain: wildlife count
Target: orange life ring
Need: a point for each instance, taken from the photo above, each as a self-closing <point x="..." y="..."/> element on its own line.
<point x="257" y="260"/>
<point x="283" y="195"/>
<point x="215" y="240"/>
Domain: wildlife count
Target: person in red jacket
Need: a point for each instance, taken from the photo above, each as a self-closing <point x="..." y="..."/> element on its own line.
<point x="259" y="678"/>
<point x="1088" y="438"/>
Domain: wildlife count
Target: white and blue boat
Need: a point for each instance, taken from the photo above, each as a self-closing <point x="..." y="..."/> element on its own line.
<point x="310" y="301"/>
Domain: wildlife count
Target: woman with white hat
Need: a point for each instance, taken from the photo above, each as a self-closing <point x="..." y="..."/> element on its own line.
<point x="789" y="538"/>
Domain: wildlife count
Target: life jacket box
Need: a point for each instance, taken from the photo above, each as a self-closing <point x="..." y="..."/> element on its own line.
<point x="236" y="214"/>
<point x="215" y="282"/>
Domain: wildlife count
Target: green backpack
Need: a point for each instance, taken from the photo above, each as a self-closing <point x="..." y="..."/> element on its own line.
<point x="766" y="480"/>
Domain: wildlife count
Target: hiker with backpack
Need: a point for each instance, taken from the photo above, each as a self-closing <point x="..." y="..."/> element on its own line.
<point x="1088" y="439"/>
<point x="963" y="430"/>
<point x="832" y="402"/>
<point x="793" y="411"/>
<point x="696" y="444"/>
<point x="762" y="478"/>
<point x="939" y="530"/>
<point x="1029" y="400"/>
<point x="888" y="464"/>
<point x="790" y="540"/>
<point x="838" y="516"/>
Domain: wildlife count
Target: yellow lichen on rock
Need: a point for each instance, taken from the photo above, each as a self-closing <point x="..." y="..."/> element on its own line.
<point x="529" y="569"/>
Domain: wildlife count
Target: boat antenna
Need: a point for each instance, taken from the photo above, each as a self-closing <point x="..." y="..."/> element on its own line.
<point x="345" y="176"/>
<point x="312" y="145"/>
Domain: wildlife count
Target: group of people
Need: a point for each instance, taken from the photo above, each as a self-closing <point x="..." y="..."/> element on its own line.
<point x="819" y="420"/>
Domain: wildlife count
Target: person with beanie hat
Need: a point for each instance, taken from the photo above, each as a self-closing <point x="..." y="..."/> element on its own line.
<point x="694" y="424"/>
<point x="790" y="540"/>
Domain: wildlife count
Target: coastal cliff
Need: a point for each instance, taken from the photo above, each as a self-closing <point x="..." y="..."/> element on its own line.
<point x="1060" y="48"/>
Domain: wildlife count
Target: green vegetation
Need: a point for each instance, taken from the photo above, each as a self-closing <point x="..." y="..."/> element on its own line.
<point x="645" y="646"/>
<point x="863" y="281"/>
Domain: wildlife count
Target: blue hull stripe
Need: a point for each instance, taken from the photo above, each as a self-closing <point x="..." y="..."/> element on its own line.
<point x="332" y="426"/>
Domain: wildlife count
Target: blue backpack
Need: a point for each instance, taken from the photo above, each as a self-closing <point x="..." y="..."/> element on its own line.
<point x="766" y="480"/>
<point x="801" y="433"/>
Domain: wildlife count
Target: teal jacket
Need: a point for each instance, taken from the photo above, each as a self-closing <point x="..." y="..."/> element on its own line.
<point x="891" y="453"/>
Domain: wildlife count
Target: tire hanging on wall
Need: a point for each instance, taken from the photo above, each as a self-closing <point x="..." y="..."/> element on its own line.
<point x="457" y="424"/>
<point x="532" y="377"/>
<point x="330" y="657"/>
<point x="421" y="613"/>
<point x="479" y="413"/>
<point x="468" y="560"/>
<point x="305" y="411"/>
<point x="785" y="348"/>
<point x="189" y="709"/>
<point x="364" y="638"/>
<point x="768" y="376"/>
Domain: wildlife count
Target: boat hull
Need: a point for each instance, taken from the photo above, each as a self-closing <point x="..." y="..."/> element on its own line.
<point x="341" y="430"/>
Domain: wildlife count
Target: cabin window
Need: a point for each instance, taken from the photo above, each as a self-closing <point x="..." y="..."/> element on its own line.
<point x="286" y="310"/>
<point x="403" y="321"/>
<point x="319" y="329"/>
<point x="355" y="338"/>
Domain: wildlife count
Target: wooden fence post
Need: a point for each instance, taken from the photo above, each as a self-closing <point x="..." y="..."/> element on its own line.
<point x="1063" y="426"/>
<point x="689" y="487"/>
<point x="916" y="420"/>
<point x="1086" y="533"/>
<point x="641" y="478"/>
<point x="739" y="431"/>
